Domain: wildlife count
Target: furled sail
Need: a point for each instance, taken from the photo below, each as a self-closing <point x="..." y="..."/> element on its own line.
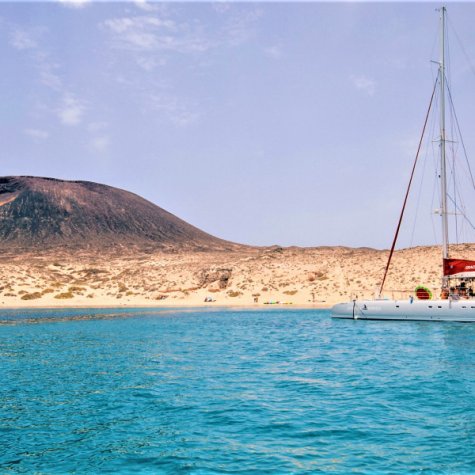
<point x="459" y="268"/>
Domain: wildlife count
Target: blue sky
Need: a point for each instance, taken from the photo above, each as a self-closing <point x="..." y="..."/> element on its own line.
<point x="261" y="123"/>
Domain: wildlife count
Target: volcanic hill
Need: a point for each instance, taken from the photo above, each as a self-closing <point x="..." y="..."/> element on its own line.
<point x="44" y="213"/>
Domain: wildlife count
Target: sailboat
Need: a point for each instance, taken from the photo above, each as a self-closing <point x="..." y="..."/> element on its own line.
<point x="457" y="301"/>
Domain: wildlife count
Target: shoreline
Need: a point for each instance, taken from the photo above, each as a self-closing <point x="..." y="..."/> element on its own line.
<point x="296" y="278"/>
<point x="172" y="306"/>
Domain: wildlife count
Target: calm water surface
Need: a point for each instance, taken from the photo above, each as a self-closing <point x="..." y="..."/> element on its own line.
<point x="220" y="391"/>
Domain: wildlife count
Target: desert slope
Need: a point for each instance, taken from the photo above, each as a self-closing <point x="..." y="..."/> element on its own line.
<point x="312" y="276"/>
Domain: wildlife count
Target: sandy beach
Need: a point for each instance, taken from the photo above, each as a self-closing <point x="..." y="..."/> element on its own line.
<point x="299" y="277"/>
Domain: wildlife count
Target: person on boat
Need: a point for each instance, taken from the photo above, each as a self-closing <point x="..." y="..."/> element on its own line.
<point x="461" y="289"/>
<point x="454" y="293"/>
<point x="444" y="295"/>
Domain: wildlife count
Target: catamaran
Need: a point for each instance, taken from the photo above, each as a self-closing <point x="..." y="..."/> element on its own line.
<point x="457" y="301"/>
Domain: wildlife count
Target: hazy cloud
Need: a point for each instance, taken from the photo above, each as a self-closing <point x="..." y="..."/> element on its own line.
<point x="364" y="83"/>
<point x="142" y="33"/>
<point x="100" y="144"/>
<point x="150" y="33"/>
<point x="71" y="110"/>
<point x="74" y="3"/>
<point x="22" y="40"/>
<point x="241" y="24"/>
<point x="138" y="23"/>
<point x="221" y="6"/>
<point x="48" y="71"/>
<point x="97" y="126"/>
<point x="176" y="111"/>
<point x="273" y="52"/>
<point x="153" y="39"/>
<point x="149" y="64"/>
<point x="146" y="6"/>
<point x="27" y="40"/>
<point x="37" y="134"/>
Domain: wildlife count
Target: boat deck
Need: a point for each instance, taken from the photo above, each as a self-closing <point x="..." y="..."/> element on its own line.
<point x="413" y="310"/>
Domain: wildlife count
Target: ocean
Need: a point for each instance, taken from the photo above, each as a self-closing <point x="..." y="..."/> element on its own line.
<point x="186" y="391"/>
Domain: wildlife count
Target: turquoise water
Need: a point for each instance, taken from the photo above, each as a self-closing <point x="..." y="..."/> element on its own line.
<point x="207" y="392"/>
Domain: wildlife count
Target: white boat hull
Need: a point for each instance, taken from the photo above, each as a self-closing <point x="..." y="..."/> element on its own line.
<point x="417" y="310"/>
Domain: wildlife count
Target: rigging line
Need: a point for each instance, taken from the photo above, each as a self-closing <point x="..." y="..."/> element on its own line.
<point x="435" y="187"/>
<point x="456" y="219"/>
<point x="424" y="162"/>
<point x="408" y="189"/>
<point x="454" y="112"/>
<point x="432" y="214"/>
<point x="435" y="45"/>
<point x="426" y="148"/>
<point x="452" y="131"/>
<point x="454" y="184"/>
<point x="458" y="197"/>
<point x="460" y="135"/>
<point x="462" y="47"/>
<point x="435" y="163"/>
<point x="461" y="211"/>
<point x="448" y="56"/>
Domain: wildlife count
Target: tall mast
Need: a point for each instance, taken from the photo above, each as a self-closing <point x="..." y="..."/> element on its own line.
<point x="443" y="168"/>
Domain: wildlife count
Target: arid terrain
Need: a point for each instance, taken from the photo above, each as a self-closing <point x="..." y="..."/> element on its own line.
<point x="77" y="243"/>
<point x="297" y="276"/>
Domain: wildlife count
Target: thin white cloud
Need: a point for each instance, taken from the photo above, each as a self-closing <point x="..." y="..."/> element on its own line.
<point x="28" y="41"/>
<point x="150" y="63"/>
<point x="74" y="3"/>
<point x="153" y="39"/>
<point x="221" y="6"/>
<point x="48" y="71"/>
<point x="100" y="139"/>
<point x="100" y="144"/>
<point x="71" y="110"/>
<point x="241" y="25"/>
<point x="273" y="52"/>
<point x="142" y="40"/>
<point x="97" y="126"/>
<point x="364" y="83"/>
<point x="150" y="33"/>
<point x="126" y="24"/>
<point x="138" y="23"/>
<point x="146" y="6"/>
<point x="184" y="118"/>
<point x="175" y="110"/>
<point x="22" y="40"/>
<point x="49" y="78"/>
<point x="37" y="134"/>
<point x="139" y="33"/>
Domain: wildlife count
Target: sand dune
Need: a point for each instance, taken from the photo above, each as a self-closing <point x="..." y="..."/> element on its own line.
<point x="297" y="276"/>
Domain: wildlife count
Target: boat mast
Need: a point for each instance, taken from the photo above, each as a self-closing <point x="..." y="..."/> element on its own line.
<point x="443" y="168"/>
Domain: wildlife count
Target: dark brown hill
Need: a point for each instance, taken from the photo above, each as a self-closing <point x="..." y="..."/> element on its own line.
<point x="42" y="213"/>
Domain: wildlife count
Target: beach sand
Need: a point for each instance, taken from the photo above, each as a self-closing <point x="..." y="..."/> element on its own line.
<point x="300" y="277"/>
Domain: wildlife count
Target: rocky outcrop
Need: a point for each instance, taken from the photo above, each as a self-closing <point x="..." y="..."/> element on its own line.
<point x="217" y="278"/>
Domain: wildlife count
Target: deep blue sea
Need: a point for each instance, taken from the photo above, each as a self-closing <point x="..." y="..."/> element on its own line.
<point x="231" y="391"/>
